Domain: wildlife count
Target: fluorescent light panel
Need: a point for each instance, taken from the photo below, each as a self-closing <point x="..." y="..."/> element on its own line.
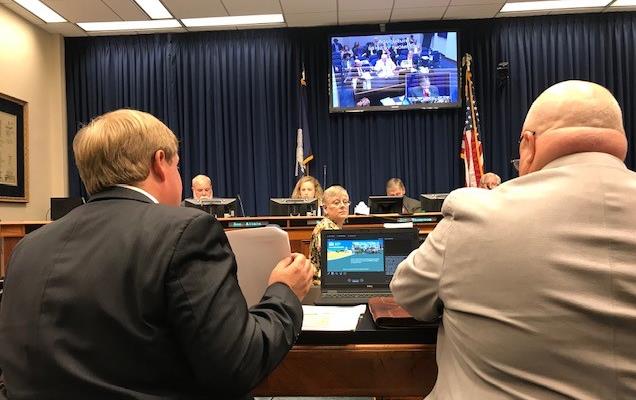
<point x="154" y="9"/>
<point x="128" y="25"/>
<point x="41" y="10"/>
<point x="552" y="5"/>
<point x="623" y="3"/>
<point x="234" y="20"/>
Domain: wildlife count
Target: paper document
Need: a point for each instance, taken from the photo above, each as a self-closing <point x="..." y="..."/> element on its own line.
<point x="392" y="225"/>
<point x="332" y="318"/>
<point x="257" y="251"/>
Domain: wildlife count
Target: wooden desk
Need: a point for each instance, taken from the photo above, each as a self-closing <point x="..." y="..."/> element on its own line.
<point x="10" y="235"/>
<point x="380" y="370"/>
<point x="298" y="228"/>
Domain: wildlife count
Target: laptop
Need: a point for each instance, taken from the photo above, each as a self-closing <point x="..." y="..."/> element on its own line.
<point x="359" y="264"/>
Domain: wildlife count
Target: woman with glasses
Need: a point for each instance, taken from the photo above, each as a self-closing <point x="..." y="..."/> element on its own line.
<point x="335" y="204"/>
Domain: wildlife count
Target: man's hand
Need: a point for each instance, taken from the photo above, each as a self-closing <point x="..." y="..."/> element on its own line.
<point x="294" y="271"/>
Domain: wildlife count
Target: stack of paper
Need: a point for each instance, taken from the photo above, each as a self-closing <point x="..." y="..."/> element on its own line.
<point x="330" y="318"/>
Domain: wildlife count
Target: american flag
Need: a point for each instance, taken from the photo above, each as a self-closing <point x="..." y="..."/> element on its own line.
<point x="303" y="146"/>
<point x="471" y="145"/>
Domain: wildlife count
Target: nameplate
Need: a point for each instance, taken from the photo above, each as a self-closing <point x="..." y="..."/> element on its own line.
<point x="247" y="224"/>
<point x="420" y="220"/>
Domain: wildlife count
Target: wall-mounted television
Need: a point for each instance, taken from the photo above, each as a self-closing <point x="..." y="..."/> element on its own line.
<point x="394" y="71"/>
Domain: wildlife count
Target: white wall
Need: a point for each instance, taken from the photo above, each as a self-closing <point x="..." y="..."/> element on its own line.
<point x="32" y="69"/>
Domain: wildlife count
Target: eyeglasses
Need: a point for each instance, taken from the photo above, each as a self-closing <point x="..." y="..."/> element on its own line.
<point x="340" y="203"/>
<point x="515" y="161"/>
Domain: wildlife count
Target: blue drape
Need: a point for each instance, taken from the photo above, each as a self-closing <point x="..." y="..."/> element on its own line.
<point x="232" y="99"/>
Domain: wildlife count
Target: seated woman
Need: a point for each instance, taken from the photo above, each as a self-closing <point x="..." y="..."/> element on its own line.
<point x="308" y="187"/>
<point x="335" y="210"/>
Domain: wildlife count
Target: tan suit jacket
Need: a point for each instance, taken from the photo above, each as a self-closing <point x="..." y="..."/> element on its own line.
<point x="537" y="283"/>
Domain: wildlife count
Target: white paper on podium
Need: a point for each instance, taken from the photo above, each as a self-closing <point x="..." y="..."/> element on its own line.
<point x="332" y="318"/>
<point x="257" y="251"/>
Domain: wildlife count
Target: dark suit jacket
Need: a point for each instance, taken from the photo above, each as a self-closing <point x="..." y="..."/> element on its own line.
<point x="411" y="205"/>
<point x="418" y="91"/>
<point x="123" y="298"/>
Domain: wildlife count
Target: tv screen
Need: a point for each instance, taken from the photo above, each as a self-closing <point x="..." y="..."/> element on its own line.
<point x="293" y="207"/>
<point x="386" y="204"/>
<point x="218" y="206"/>
<point x="395" y="71"/>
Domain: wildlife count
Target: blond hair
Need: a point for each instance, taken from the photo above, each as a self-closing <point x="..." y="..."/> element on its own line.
<point x="333" y="191"/>
<point x="118" y="148"/>
<point x="296" y="192"/>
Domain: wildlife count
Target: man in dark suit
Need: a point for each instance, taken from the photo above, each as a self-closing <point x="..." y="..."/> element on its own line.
<point x="130" y="296"/>
<point x="395" y="187"/>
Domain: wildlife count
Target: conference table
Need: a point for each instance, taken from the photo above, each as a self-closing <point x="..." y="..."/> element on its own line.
<point x="386" y="364"/>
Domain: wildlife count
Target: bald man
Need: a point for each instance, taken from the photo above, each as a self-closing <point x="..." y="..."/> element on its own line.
<point x="540" y="301"/>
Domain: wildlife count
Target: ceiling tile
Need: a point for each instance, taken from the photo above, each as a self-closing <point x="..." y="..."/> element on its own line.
<point x="470" y="12"/>
<point x="476" y="2"/>
<point x="65" y="29"/>
<point x="419" y="3"/>
<point x="417" y="14"/>
<point x="312" y="19"/>
<point x="251" y="7"/>
<point x="82" y="11"/>
<point x="614" y="9"/>
<point x="363" y="16"/>
<point x="195" y="8"/>
<point x="127" y="10"/>
<point x="308" y="6"/>
<point x="362" y="5"/>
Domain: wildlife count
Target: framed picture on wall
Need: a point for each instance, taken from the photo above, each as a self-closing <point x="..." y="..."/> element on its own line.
<point x="13" y="150"/>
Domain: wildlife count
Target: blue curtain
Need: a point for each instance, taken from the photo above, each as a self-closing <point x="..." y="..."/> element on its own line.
<point x="232" y="98"/>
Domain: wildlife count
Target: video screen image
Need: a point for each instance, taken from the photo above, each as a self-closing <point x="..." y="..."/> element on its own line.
<point x="394" y="71"/>
<point x="366" y="255"/>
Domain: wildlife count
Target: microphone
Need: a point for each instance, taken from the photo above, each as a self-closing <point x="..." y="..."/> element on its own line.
<point x="238" y="196"/>
<point x="324" y="175"/>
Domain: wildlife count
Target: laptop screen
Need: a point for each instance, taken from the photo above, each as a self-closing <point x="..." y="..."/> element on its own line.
<point x="356" y="259"/>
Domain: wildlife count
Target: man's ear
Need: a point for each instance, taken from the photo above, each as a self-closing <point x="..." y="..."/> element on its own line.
<point x="159" y="165"/>
<point x="527" y="151"/>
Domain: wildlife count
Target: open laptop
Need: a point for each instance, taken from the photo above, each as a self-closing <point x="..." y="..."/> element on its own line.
<point x="358" y="264"/>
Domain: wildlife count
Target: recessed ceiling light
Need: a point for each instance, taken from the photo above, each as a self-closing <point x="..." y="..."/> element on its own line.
<point x="128" y="25"/>
<point x="41" y="10"/>
<point x="234" y="20"/>
<point x="552" y="5"/>
<point x="623" y="3"/>
<point x="154" y="9"/>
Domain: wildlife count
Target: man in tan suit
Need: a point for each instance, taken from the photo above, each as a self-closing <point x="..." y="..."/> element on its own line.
<point x="537" y="279"/>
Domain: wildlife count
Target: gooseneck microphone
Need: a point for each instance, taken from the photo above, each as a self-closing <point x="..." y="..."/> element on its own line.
<point x="238" y="197"/>
<point x="324" y="175"/>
